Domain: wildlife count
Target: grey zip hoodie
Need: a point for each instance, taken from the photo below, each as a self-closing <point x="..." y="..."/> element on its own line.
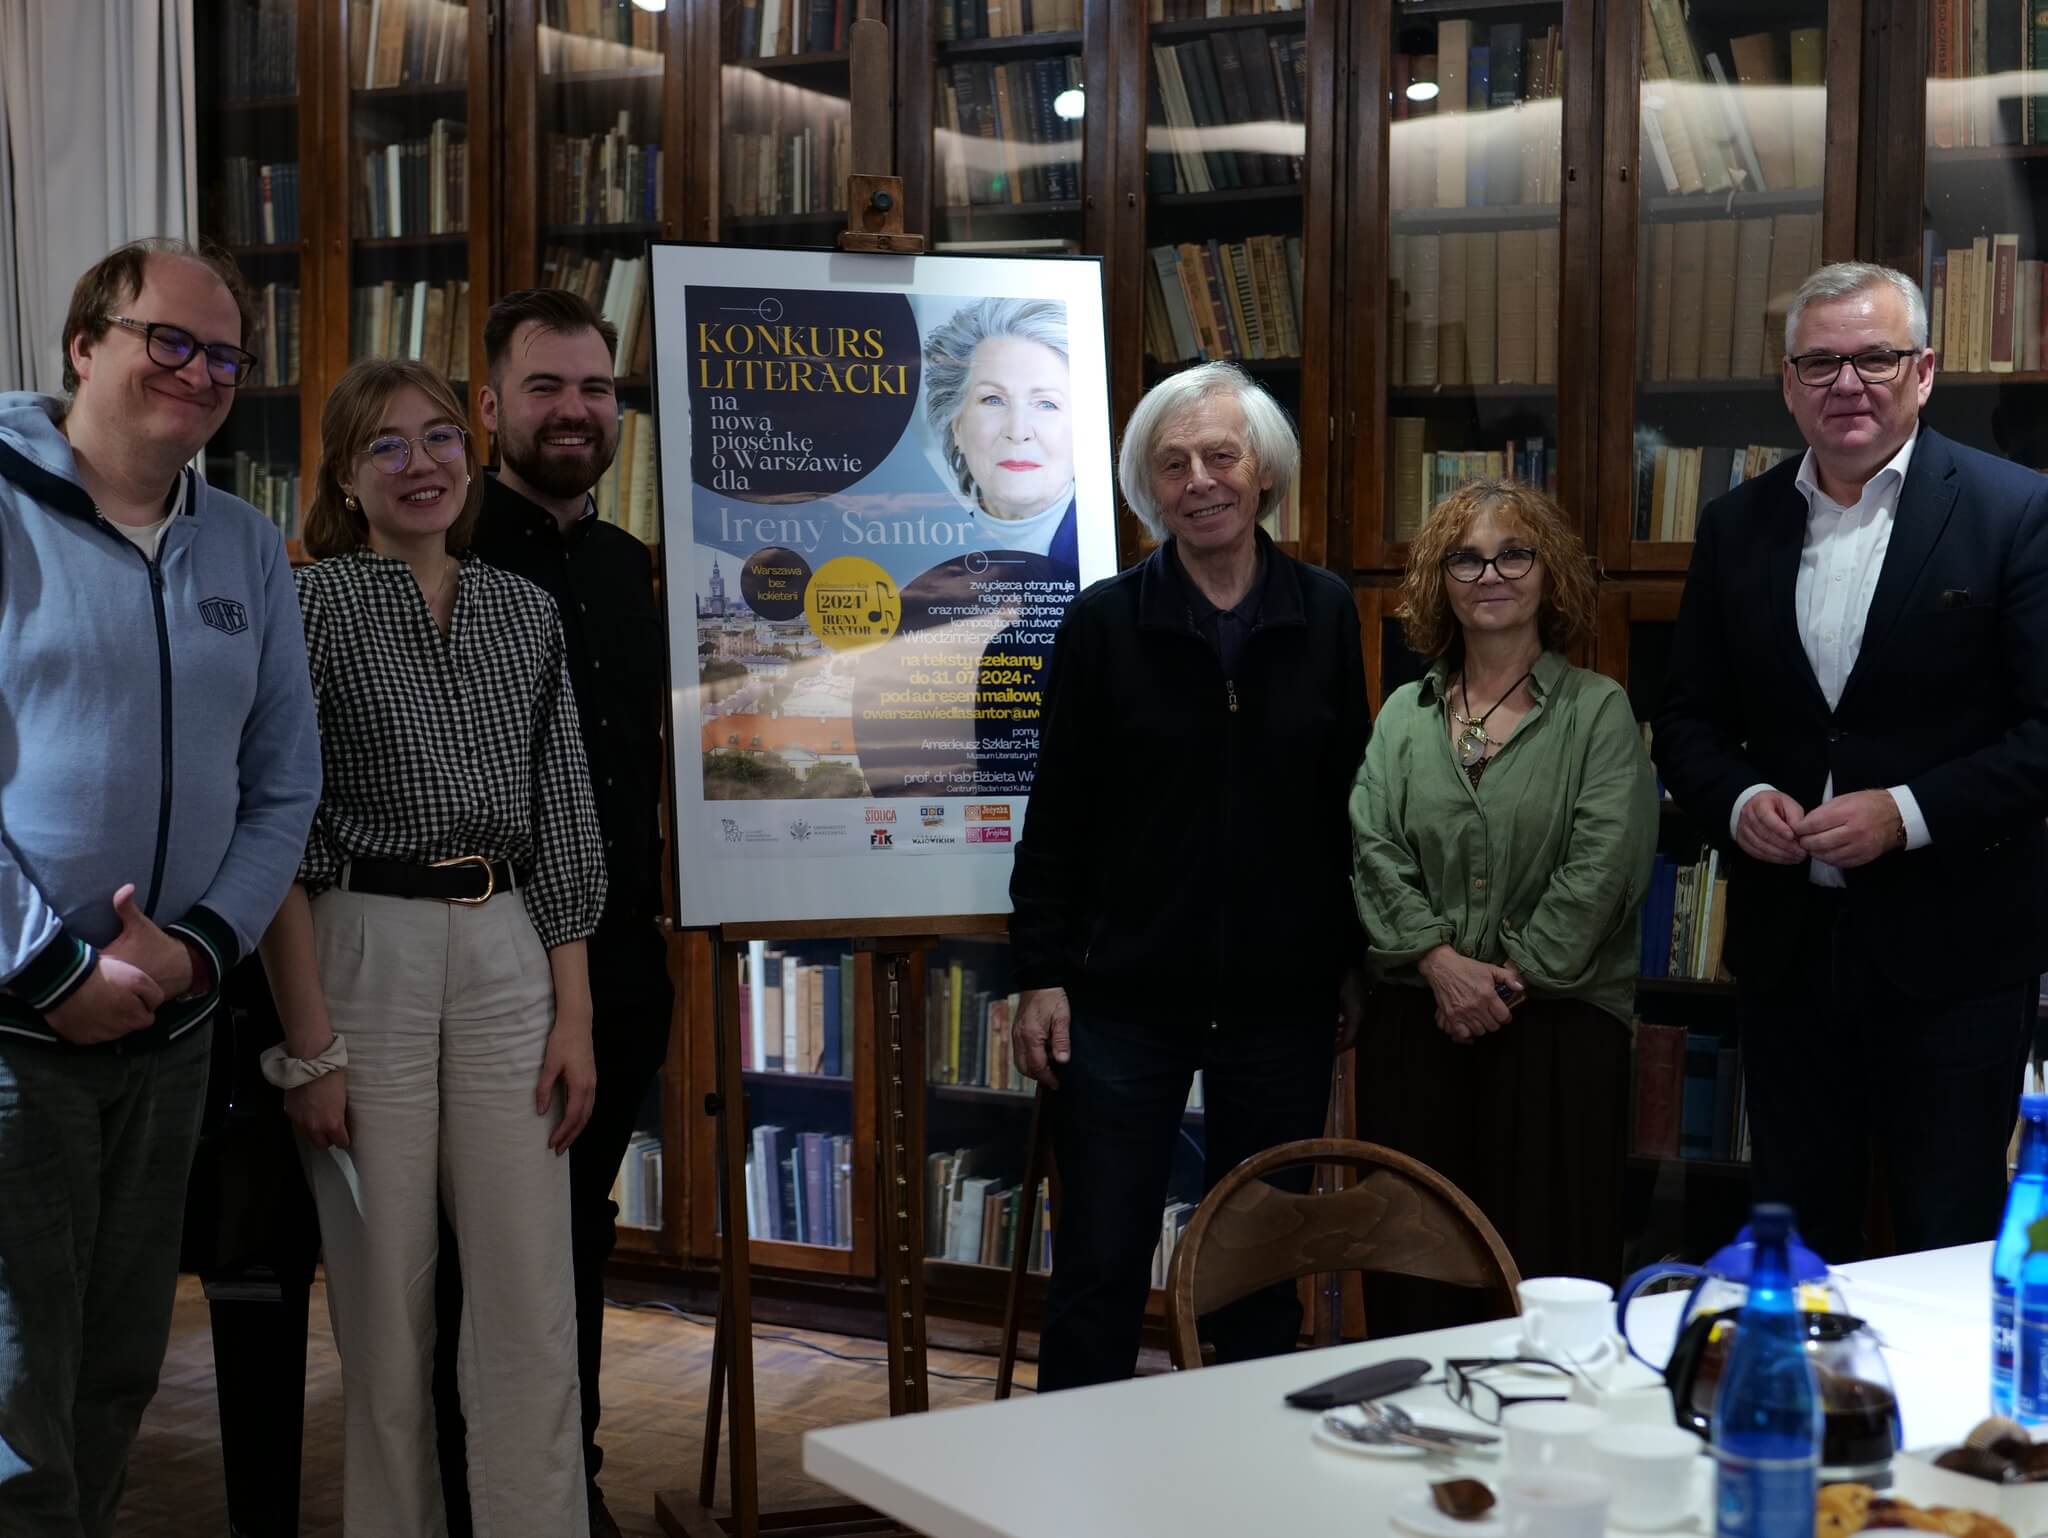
<point x="156" y="727"/>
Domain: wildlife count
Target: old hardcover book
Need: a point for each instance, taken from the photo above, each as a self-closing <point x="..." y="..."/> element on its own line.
<point x="1658" y="297"/>
<point x="1424" y="312"/>
<point x="1515" y="289"/>
<point x="1452" y="341"/>
<point x="1546" y="305"/>
<point x="1717" y="300"/>
<point x="1453" y="50"/>
<point x="1688" y="297"/>
<point x="1482" y="299"/>
<point x="1752" y="298"/>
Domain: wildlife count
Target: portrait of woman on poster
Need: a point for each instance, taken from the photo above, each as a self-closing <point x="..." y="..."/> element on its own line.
<point x="997" y="400"/>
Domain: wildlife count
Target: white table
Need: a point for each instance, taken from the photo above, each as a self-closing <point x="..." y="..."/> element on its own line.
<point x="1218" y="1452"/>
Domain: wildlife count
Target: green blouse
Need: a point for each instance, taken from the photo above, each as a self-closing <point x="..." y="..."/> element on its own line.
<point x="1544" y="863"/>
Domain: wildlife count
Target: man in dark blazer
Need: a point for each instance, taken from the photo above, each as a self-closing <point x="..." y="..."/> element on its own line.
<point x="1859" y="697"/>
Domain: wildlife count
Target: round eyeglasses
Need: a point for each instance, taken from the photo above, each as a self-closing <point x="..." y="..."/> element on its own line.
<point x="1874" y="365"/>
<point x="1469" y="565"/>
<point x="172" y="347"/>
<point x="392" y="454"/>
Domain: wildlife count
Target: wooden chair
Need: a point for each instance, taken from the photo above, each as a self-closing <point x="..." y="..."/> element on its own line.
<point x="1399" y="1217"/>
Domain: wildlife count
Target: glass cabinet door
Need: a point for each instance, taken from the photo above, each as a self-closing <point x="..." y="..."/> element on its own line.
<point x="603" y="181"/>
<point x="1981" y="250"/>
<point x="1226" y="141"/>
<point x="785" y="130"/>
<point x="1475" y="184"/>
<point x="1732" y="132"/>
<point x="249" y="202"/>
<point x="410" y="174"/>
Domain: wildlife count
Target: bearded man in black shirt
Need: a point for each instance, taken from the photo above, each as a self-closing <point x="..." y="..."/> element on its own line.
<point x="553" y="405"/>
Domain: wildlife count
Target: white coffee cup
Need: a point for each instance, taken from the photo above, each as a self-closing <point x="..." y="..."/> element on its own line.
<point x="1569" y="1316"/>
<point x="1549" y="1434"/>
<point x="1651" y="1470"/>
<point x="1554" y="1504"/>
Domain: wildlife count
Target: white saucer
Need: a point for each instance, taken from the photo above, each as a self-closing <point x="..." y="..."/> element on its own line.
<point x="1414" y="1512"/>
<point x="1393" y="1450"/>
<point x="1598" y="1359"/>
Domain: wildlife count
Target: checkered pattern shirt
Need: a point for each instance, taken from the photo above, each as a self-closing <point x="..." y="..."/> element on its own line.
<point x="438" y="746"/>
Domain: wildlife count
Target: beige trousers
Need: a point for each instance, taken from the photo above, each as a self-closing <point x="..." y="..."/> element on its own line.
<point x="447" y="1010"/>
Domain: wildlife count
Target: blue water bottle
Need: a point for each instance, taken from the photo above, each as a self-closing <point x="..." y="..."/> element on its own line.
<point x="1767" y="1414"/>
<point x="2023" y="1206"/>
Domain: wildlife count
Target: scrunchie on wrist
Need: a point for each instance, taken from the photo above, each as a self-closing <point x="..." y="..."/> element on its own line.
<point x="288" y="1072"/>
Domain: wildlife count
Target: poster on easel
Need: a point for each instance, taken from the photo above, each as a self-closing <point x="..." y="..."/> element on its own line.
<point x="884" y="478"/>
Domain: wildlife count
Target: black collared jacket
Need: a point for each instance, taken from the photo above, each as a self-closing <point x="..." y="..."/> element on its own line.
<point x="602" y="580"/>
<point x="1186" y="851"/>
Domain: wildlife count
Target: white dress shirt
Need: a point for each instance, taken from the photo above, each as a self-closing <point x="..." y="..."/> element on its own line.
<point x="1838" y="570"/>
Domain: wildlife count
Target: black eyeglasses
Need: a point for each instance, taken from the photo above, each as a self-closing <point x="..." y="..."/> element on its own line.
<point x="392" y="454"/>
<point x="1482" y="1398"/>
<point x="1875" y="365"/>
<point x="1513" y="563"/>
<point x="172" y="347"/>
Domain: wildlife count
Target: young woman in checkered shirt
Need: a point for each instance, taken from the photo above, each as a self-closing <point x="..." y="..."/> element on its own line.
<point x="429" y="967"/>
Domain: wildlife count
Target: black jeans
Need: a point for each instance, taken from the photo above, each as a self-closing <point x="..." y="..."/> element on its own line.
<point x="631" y="1003"/>
<point x="1837" y="1062"/>
<point x="1115" y="1120"/>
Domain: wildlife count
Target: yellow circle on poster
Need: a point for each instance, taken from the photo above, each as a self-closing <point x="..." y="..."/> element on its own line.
<point x="851" y="602"/>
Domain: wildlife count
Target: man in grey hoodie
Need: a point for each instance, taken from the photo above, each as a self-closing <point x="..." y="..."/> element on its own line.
<point x="159" y="768"/>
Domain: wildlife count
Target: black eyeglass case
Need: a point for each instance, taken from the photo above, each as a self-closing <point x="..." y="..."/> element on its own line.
<point x="1355" y="1387"/>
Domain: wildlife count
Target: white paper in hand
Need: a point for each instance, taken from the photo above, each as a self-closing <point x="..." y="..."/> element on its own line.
<point x="347" y="1166"/>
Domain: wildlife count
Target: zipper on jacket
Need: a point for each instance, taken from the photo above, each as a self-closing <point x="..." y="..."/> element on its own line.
<point x="1230" y="694"/>
<point x="154" y="564"/>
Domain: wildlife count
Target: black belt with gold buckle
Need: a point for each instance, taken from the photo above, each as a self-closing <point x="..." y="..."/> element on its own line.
<point x="468" y="879"/>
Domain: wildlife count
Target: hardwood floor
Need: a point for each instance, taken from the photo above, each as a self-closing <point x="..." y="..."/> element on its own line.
<point x="656" y="1368"/>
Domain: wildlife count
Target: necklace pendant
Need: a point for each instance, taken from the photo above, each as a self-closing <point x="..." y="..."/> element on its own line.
<point x="1471" y="746"/>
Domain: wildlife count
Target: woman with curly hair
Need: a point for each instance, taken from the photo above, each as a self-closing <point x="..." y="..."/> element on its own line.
<point x="1503" y="822"/>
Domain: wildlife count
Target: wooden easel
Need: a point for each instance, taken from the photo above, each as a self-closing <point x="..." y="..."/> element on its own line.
<point x="895" y="1011"/>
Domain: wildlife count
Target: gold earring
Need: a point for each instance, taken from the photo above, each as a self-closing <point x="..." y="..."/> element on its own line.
<point x="351" y="504"/>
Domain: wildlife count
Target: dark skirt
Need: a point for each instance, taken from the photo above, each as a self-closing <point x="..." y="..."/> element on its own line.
<point x="1530" y="1122"/>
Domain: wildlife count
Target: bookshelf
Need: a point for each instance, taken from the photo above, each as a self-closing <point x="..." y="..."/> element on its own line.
<point x="1986" y="173"/>
<point x="1232" y="202"/>
<point x="1740" y="127"/>
<point x="406" y="182"/>
<point x="785" y="132"/>
<point x="252" y="128"/>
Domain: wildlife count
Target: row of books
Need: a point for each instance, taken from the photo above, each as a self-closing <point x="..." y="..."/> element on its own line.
<point x="415" y="187"/>
<point x="1209" y="10"/>
<point x="1225" y="111"/>
<point x="787" y="151"/>
<point x="773" y="29"/>
<point x="800" y="1186"/>
<point x="973" y="1216"/>
<point x="1674" y="484"/>
<point x="1492" y="135"/>
<point x="1984" y="311"/>
<point x="1423" y="477"/>
<point x="617" y="287"/>
<point x="967" y="1031"/>
<point x="603" y="178"/>
<point x="260" y="56"/>
<point x="408" y="42"/>
<point x="1224" y="299"/>
<point x="276" y="343"/>
<point x="1704" y="134"/>
<point x="423" y="320"/>
<point x="1685" y="915"/>
<point x="965" y="20"/>
<point x="1688" y="1096"/>
<point x="799" y="1013"/>
<point x="273" y="490"/>
<point x="637" y="1190"/>
<point x="629" y="493"/>
<point x="1000" y="138"/>
<point x="578" y="35"/>
<point x="1717" y="291"/>
<point x="1477" y="308"/>
<point x="259" y="202"/>
<point x="1990" y="42"/>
